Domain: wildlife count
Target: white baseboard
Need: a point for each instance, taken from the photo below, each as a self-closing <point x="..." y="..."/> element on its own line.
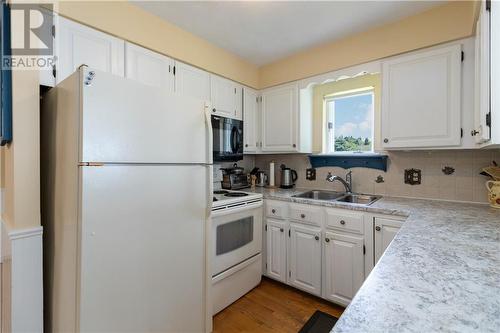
<point x="26" y="287"/>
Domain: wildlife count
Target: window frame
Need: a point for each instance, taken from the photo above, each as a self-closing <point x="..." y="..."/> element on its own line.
<point x="330" y="132"/>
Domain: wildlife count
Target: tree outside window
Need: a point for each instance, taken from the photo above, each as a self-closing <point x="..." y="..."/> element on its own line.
<point x="350" y="122"/>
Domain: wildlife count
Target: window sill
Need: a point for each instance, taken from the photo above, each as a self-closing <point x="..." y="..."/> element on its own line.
<point x="349" y="160"/>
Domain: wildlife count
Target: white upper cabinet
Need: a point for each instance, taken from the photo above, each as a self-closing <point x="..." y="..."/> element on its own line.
<point x="279" y="110"/>
<point x="226" y="97"/>
<point x="149" y="67"/>
<point x="495" y="71"/>
<point x="421" y="99"/>
<point x="77" y="44"/>
<point x="305" y="258"/>
<point x="47" y="77"/>
<point x="191" y="81"/>
<point x="344" y="266"/>
<point x="482" y="121"/>
<point x="250" y="120"/>
<point x="385" y="230"/>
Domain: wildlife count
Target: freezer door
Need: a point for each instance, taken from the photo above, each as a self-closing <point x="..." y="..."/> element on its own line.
<point x="143" y="265"/>
<point x="124" y="121"/>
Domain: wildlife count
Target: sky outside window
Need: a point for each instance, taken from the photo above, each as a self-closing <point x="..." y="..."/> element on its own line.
<point x="350" y="123"/>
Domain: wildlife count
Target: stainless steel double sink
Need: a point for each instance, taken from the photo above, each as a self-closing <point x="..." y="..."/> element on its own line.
<point x="353" y="198"/>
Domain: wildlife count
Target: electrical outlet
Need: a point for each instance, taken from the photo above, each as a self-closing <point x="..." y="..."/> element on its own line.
<point x="311" y="174"/>
<point x="413" y="176"/>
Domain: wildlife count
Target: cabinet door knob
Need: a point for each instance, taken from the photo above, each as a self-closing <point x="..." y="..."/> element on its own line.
<point x="386" y="140"/>
<point x="273" y="211"/>
<point x="342" y="222"/>
<point x="377" y="228"/>
<point x="246" y="144"/>
<point x="474" y="132"/>
<point x="303" y="215"/>
<point x="214" y="110"/>
<point x="294" y="145"/>
<point x="327" y="240"/>
<point x="281" y="229"/>
<point x="316" y="237"/>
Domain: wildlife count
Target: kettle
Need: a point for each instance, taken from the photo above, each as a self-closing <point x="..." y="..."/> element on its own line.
<point x="288" y="177"/>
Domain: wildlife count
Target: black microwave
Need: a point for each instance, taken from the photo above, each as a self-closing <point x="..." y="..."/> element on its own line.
<point x="227" y="139"/>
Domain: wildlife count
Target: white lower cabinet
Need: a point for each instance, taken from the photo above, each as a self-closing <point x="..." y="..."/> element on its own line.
<point x="305" y="258"/>
<point x="327" y="252"/>
<point x="276" y="250"/>
<point x="344" y="266"/>
<point x="385" y="230"/>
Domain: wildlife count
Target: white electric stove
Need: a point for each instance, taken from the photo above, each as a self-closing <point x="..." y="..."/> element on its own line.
<point x="236" y="245"/>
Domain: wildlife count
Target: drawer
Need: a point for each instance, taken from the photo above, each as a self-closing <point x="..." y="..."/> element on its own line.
<point x="276" y="209"/>
<point x="344" y="220"/>
<point x="306" y="213"/>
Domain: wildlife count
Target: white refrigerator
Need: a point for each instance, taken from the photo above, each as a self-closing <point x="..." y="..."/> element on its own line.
<point x="126" y="197"/>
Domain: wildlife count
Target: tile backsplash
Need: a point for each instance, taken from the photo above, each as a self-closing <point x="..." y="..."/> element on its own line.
<point x="464" y="184"/>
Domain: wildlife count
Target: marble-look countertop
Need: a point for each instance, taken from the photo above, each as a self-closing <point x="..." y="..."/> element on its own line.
<point x="441" y="273"/>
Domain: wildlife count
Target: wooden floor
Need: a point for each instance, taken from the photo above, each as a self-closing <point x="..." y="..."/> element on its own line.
<point x="271" y="307"/>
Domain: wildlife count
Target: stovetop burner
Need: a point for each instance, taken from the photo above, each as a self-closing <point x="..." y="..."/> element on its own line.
<point x="236" y="194"/>
<point x="221" y="192"/>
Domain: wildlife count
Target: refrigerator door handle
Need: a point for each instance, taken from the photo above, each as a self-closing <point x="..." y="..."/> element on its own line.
<point x="208" y="123"/>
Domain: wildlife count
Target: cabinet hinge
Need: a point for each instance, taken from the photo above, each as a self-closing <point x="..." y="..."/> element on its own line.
<point x="266" y="227"/>
<point x="463" y="56"/>
<point x="364" y="250"/>
<point x="257" y="99"/>
<point x="290" y="273"/>
<point x="235" y="90"/>
<point x="461" y="132"/>
<point x="53" y="31"/>
<point x="54" y="71"/>
<point x="266" y="265"/>
<point x="174" y="70"/>
<point x="488" y="119"/>
<point x="488" y="5"/>
<point x="289" y="233"/>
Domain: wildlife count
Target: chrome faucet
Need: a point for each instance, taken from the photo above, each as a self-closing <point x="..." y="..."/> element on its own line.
<point x="347" y="182"/>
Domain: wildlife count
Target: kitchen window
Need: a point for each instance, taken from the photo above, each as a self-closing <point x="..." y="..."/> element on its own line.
<point x="349" y="121"/>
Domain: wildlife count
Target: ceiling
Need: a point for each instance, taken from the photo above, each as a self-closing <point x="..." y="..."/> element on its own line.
<point x="265" y="31"/>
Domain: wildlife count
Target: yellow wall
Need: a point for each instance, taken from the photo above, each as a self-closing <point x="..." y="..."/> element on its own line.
<point x="21" y="159"/>
<point x="323" y="90"/>
<point x="134" y="24"/>
<point x="438" y="25"/>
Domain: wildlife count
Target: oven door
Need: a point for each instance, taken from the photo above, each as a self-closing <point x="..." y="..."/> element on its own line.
<point x="227" y="139"/>
<point x="236" y="235"/>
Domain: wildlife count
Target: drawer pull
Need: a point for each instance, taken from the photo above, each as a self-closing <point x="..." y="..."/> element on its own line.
<point x="303" y="215"/>
<point x="327" y="240"/>
<point x="342" y="222"/>
<point x="377" y="228"/>
<point x="273" y="211"/>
